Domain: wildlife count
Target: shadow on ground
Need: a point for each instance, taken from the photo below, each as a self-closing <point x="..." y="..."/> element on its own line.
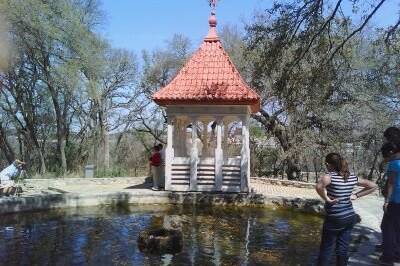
<point x="148" y="183"/>
<point x="363" y="248"/>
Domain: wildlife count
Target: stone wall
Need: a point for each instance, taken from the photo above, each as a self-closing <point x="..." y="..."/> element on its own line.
<point x="44" y="194"/>
<point x="82" y="181"/>
<point x="70" y="200"/>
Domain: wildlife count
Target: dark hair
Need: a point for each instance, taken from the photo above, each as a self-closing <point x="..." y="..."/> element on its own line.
<point x="392" y="134"/>
<point x="388" y="149"/>
<point x="160" y="146"/>
<point x="339" y="164"/>
<point x="156" y="148"/>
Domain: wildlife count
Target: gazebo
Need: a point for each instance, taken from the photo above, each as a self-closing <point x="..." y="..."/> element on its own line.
<point x="208" y="106"/>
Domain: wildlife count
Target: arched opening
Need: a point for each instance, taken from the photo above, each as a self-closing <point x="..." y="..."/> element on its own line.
<point x="232" y="141"/>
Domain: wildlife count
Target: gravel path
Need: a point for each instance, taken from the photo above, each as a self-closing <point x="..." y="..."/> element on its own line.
<point x="279" y="191"/>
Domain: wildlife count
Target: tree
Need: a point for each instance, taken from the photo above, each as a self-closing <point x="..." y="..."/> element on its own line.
<point x="25" y="102"/>
<point x="304" y="64"/>
<point x="58" y="41"/>
<point x="112" y="98"/>
<point x="159" y="67"/>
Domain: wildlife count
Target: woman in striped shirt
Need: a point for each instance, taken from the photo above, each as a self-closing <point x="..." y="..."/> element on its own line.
<point x="336" y="188"/>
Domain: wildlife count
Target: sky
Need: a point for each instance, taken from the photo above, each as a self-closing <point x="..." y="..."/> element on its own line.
<point x="136" y="25"/>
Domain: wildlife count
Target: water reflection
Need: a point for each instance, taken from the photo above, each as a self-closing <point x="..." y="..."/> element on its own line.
<point x="212" y="236"/>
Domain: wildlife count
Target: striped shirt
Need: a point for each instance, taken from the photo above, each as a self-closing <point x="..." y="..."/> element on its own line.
<point x="341" y="190"/>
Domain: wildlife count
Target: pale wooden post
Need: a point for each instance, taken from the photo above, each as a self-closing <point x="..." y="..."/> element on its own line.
<point x="206" y="145"/>
<point x="225" y="124"/>
<point x="194" y="156"/>
<point x="175" y="136"/>
<point x="245" y="156"/>
<point x="180" y="137"/>
<point x="169" y="152"/>
<point x="219" y="156"/>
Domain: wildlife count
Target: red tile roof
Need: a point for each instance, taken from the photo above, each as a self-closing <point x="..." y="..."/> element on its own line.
<point x="208" y="78"/>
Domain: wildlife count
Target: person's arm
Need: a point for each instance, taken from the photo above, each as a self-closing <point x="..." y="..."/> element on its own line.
<point x="321" y="189"/>
<point x="14" y="172"/>
<point x="368" y="188"/>
<point x="150" y="161"/>
<point x="390" y="181"/>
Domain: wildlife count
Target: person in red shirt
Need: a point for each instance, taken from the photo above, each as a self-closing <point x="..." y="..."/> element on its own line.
<point x="155" y="164"/>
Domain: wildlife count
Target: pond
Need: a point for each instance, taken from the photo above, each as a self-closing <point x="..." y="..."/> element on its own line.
<point x="212" y="236"/>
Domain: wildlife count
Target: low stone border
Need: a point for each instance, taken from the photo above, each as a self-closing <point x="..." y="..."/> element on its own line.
<point x="70" y="200"/>
<point x="283" y="182"/>
<point x="60" y="182"/>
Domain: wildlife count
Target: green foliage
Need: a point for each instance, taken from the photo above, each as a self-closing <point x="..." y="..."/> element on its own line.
<point x="111" y="172"/>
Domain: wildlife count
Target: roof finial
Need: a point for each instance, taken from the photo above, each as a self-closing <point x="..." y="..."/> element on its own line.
<point x="212" y="33"/>
<point x="213" y="4"/>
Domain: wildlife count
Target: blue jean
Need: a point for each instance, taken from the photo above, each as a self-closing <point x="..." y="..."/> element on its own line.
<point x="335" y="233"/>
<point x="391" y="233"/>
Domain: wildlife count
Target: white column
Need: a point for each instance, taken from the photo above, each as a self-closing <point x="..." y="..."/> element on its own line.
<point x="245" y="155"/>
<point x="194" y="156"/>
<point x="219" y="156"/>
<point x="169" y="153"/>
<point x="225" y="124"/>
<point x="206" y="144"/>
<point x="180" y="137"/>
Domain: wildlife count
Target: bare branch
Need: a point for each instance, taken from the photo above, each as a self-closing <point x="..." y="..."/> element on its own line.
<point x="360" y="28"/>
<point x="391" y="32"/>
<point x="331" y="17"/>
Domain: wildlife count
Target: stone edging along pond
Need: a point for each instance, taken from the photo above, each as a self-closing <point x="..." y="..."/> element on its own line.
<point x="72" y="200"/>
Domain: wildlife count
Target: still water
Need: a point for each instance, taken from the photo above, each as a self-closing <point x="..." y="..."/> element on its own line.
<point x="212" y="236"/>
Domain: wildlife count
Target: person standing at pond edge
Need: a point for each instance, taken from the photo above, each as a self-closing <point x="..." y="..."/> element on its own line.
<point x="155" y="164"/>
<point x="391" y="219"/>
<point x="336" y="189"/>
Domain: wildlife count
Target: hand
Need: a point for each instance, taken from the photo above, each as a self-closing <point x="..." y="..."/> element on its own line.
<point x="353" y="197"/>
<point x="19" y="163"/>
<point x="385" y="206"/>
<point x="332" y="201"/>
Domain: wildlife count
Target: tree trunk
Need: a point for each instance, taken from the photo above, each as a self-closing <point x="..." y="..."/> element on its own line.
<point x="60" y="125"/>
<point x="20" y="146"/>
<point x="63" y="157"/>
<point x="60" y="109"/>
<point x="61" y="142"/>
<point x="105" y="141"/>
<point x="106" y="150"/>
<point x="293" y="170"/>
<point x="272" y="125"/>
<point x="371" y="171"/>
<point x="43" y="169"/>
<point x="35" y="143"/>
<point x="315" y="169"/>
<point x="5" y="146"/>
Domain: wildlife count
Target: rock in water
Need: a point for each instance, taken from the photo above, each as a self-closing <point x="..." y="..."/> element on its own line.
<point x="160" y="241"/>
